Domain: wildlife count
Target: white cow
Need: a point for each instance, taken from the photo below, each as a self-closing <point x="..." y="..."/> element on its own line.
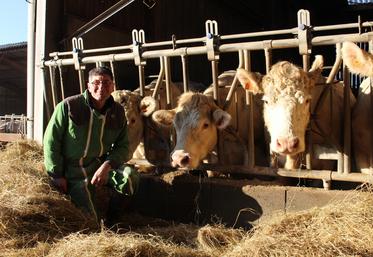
<point x="287" y="92"/>
<point x="197" y="120"/>
<point x="361" y="62"/>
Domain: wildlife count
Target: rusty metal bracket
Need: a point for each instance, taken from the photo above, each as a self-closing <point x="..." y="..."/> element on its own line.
<point x="212" y="40"/>
<point x="78" y="48"/>
<point x="138" y="39"/>
<point x="304" y="32"/>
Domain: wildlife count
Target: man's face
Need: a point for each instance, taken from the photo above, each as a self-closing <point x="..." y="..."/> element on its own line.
<point x="100" y="87"/>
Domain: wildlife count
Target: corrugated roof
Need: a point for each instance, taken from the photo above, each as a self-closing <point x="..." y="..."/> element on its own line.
<point x="13" y="46"/>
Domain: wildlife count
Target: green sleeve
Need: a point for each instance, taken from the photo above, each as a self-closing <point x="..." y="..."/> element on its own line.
<point x="53" y="141"/>
<point x="119" y="152"/>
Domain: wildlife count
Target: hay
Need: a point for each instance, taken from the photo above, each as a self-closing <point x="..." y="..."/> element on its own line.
<point x="32" y="212"/>
<point x="106" y="243"/>
<point x="342" y="228"/>
<point x="36" y="220"/>
<point x="215" y="239"/>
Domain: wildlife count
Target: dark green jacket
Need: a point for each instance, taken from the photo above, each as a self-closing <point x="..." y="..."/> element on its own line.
<point x="78" y="135"/>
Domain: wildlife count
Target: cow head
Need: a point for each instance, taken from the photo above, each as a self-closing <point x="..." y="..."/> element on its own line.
<point x="286" y="93"/>
<point x="196" y="120"/>
<point x="135" y="108"/>
<point x="357" y="60"/>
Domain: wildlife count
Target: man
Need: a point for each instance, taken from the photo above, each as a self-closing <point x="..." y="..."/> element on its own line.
<point x="85" y="144"/>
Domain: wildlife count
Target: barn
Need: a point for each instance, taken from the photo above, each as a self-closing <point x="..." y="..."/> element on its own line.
<point x="197" y="40"/>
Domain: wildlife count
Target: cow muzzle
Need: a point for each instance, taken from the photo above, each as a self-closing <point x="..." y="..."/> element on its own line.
<point x="180" y="158"/>
<point x="288" y="145"/>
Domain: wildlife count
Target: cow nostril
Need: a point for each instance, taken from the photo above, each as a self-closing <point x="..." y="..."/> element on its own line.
<point x="295" y="143"/>
<point x="184" y="161"/>
<point x="278" y="143"/>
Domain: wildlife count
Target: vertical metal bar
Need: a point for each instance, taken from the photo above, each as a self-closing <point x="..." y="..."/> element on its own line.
<point x="215" y="83"/>
<point x="141" y="80"/>
<point x="337" y="64"/>
<point x="184" y="62"/>
<point x="52" y="76"/>
<point x="306" y="62"/>
<point x="168" y="81"/>
<point x="61" y="82"/>
<point x="347" y="122"/>
<point x="112" y="67"/>
<point x="81" y="80"/>
<point x="268" y="58"/>
<point x="250" y="104"/>
<point x="160" y="78"/>
<point x="306" y="65"/>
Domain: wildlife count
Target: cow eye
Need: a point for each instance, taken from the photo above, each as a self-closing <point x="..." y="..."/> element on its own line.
<point x="265" y="100"/>
<point x="205" y="125"/>
<point x="308" y="101"/>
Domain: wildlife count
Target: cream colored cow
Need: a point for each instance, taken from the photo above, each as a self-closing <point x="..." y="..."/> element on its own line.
<point x="197" y="120"/>
<point x="135" y="108"/>
<point x="287" y="91"/>
<point x="361" y="62"/>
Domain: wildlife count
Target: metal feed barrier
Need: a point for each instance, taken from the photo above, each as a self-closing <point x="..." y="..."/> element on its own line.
<point x="212" y="45"/>
<point x="12" y="127"/>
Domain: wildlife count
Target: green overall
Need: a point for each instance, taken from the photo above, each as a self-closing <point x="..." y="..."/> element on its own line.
<point x="78" y="139"/>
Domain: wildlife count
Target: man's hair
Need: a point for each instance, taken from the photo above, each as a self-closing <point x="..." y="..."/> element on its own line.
<point x="102" y="70"/>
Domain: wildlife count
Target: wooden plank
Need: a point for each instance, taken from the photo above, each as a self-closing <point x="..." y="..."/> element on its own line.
<point x="10" y="137"/>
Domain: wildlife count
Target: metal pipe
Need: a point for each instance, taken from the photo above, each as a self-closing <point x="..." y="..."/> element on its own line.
<point x="222" y="38"/>
<point x="52" y="77"/>
<point x="112" y="67"/>
<point x="141" y="80"/>
<point x="160" y="78"/>
<point x="327" y="175"/>
<point x="100" y="18"/>
<point x="61" y="82"/>
<point x="184" y="64"/>
<point x="30" y="68"/>
<point x="337" y="64"/>
<point x="215" y="81"/>
<point x="81" y="81"/>
<point x="168" y="82"/>
<point x="224" y="48"/>
<point x="346" y="122"/>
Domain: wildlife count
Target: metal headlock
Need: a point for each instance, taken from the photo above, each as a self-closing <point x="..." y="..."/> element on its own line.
<point x="212" y="45"/>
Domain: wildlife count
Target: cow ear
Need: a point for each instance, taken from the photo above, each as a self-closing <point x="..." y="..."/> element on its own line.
<point x="315" y="72"/>
<point x="357" y="60"/>
<point x="250" y="81"/>
<point x="148" y="105"/>
<point x="221" y="118"/>
<point x="164" y="117"/>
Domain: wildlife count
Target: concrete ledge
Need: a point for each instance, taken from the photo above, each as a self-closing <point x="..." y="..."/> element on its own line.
<point x="240" y="203"/>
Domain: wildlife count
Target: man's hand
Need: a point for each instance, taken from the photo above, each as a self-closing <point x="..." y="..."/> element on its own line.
<point x="101" y="175"/>
<point x="60" y="184"/>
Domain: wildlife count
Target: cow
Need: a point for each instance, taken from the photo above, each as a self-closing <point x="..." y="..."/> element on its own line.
<point x="286" y="92"/>
<point x="137" y="109"/>
<point x="361" y="62"/>
<point x="197" y="120"/>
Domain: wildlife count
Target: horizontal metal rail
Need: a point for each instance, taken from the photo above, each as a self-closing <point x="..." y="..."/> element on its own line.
<point x="224" y="48"/>
<point x="202" y="40"/>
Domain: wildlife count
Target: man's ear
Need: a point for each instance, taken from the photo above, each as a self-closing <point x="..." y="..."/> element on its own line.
<point x="251" y="81"/>
<point x="148" y="105"/>
<point x="221" y="118"/>
<point x="164" y="117"/>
